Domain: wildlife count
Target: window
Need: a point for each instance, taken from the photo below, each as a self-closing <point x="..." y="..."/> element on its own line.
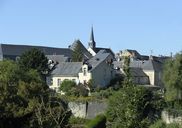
<point x="74" y="80"/>
<point x="59" y="82"/>
<point x="84" y="71"/>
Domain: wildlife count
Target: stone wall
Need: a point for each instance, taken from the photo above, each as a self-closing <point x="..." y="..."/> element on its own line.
<point x="171" y="118"/>
<point x="87" y="110"/>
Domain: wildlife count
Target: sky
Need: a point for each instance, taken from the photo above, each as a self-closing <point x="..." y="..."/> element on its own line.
<point x="148" y="26"/>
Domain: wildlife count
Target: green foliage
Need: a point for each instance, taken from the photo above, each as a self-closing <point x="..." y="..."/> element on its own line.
<point x="133" y="107"/>
<point x="98" y="122"/>
<point x="126" y="69"/>
<point x="91" y="84"/>
<point x="34" y="59"/>
<point x="77" y="55"/>
<point x="103" y="94"/>
<point x="51" y="113"/>
<point x="71" y="89"/>
<point x="77" y="122"/>
<point x="173" y="125"/>
<point x="67" y="85"/>
<point x="9" y="72"/>
<point x="116" y="82"/>
<point x="21" y="96"/>
<point x="158" y="124"/>
<point x="172" y="78"/>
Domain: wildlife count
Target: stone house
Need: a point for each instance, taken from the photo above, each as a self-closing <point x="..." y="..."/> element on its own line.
<point x="144" y="72"/>
<point x="99" y="69"/>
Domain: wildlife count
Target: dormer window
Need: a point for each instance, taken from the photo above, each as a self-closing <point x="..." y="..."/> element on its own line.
<point x="84" y="71"/>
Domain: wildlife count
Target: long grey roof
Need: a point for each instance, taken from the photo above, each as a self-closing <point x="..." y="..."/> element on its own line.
<point x="144" y="65"/>
<point x="17" y="50"/>
<point x="67" y="69"/>
<point x="147" y="65"/>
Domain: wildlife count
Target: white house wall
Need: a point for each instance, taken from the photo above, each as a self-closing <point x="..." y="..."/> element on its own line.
<point x="55" y="85"/>
<point x="84" y="77"/>
<point x="151" y="76"/>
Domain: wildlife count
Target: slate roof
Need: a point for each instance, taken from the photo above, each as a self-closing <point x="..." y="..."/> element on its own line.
<point x="58" y="58"/>
<point x="67" y="69"/>
<point x="137" y="72"/>
<point x="108" y="50"/>
<point x="10" y="50"/>
<point x="1" y="53"/>
<point x="98" y="58"/>
<point x="152" y="65"/>
<point x="147" y="65"/>
<point x="85" y="52"/>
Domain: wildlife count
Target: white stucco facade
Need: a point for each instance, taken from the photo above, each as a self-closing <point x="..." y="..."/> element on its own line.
<point x="57" y="80"/>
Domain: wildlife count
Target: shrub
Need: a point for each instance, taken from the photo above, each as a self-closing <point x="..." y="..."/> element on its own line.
<point x="158" y="124"/>
<point x="66" y="85"/>
<point x="173" y="125"/>
<point x="98" y="122"/>
<point x="82" y="90"/>
<point x="76" y="120"/>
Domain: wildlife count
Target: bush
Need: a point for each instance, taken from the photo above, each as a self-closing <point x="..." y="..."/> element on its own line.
<point x="158" y="124"/>
<point x="173" y="125"/>
<point x="82" y="90"/>
<point x="76" y="120"/>
<point x="66" y="85"/>
<point x="98" y="122"/>
<point x="103" y="94"/>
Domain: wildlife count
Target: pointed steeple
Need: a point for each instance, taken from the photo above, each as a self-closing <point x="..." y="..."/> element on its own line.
<point x="92" y="42"/>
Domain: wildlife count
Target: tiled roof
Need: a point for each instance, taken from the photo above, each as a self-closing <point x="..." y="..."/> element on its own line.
<point x="67" y="69"/>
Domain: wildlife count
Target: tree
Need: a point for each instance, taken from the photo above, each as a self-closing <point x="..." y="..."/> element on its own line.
<point x="34" y="59"/>
<point x="52" y="113"/>
<point x="16" y="92"/>
<point x="133" y="107"/>
<point x="126" y="69"/>
<point x="77" y="55"/>
<point x="172" y="79"/>
<point x="22" y="93"/>
<point x="67" y="85"/>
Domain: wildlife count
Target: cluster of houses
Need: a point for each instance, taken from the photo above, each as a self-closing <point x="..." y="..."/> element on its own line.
<point x="100" y="65"/>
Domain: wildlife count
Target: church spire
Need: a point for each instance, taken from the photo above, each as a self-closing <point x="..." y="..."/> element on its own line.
<point x="92" y="43"/>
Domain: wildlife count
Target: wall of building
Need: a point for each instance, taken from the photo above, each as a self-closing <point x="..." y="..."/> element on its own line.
<point x="1" y="53"/>
<point x="151" y="76"/>
<point x="158" y="78"/>
<point x="84" y="77"/>
<point x="55" y="85"/>
<point x="141" y="80"/>
<point x="102" y="74"/>
<point x="171" y="118"/>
